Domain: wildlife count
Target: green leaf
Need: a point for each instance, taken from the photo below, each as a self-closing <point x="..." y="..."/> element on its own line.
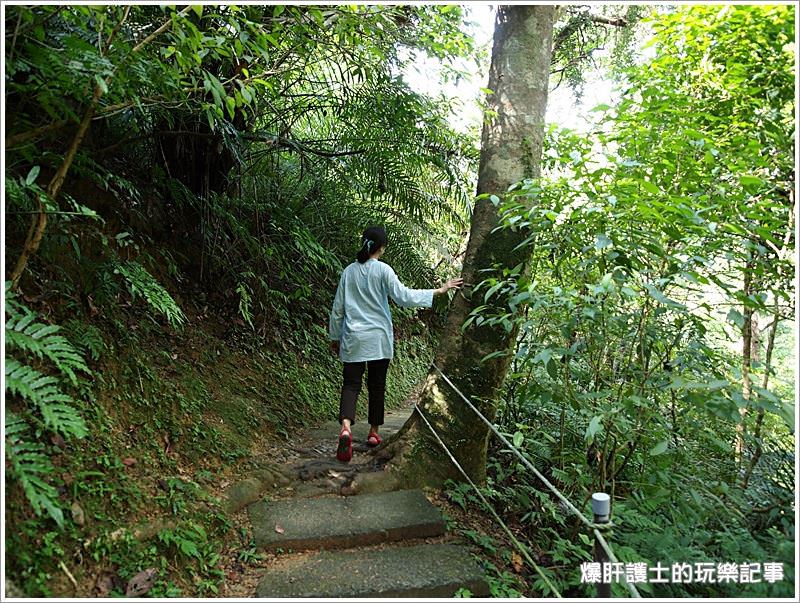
<point x="748" y="181"/>
<point x="101" y="82"/>
<point x="594" y="426"/>
<point x="602" y="241"/>
<point x="32" y="175"/>
<point x="518" y="439"/>
<point x="552" y="368"/>
<point x="659" y="448"/>
<point x="735" y="317"/>
<point x="188" y="547"/>
<point x="656" y="294"/>
<point x="198" y="9"/>
<point x="650" y="187"/>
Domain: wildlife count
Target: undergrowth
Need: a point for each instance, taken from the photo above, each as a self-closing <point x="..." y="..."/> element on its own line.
<point x="125" y="486"/>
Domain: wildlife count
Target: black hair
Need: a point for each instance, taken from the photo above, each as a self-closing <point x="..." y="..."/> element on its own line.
<point x="373" y="239"/>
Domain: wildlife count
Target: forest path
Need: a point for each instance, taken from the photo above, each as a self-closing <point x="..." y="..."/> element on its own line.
<point x="318" y="543"/>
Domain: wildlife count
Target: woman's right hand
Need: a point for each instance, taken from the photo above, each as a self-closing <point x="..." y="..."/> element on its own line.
<point x="453" y="283"/>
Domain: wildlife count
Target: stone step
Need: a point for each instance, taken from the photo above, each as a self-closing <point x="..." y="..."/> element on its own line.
<point x="327" y="434"/>
<point x="343" y="522"/>
<point x="426" y="570"/>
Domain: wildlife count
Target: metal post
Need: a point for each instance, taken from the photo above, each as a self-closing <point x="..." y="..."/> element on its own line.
<point x="601" y="507"/>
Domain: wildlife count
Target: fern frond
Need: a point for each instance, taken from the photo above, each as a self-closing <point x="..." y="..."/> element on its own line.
<point x="23" y="333"/>
<point x="43" y="392"/>
<point x="63" y="418"/>
<point x="141" y="282"/>
<point x="87" y="337"/>
<point x="30" y="466"/>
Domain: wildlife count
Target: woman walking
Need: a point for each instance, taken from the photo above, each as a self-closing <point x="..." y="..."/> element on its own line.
<point x="361" y="333"/>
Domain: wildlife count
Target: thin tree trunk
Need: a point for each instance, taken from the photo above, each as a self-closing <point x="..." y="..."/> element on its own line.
<point x="510" y="151"/>
<point x="759" y="450"/>
<point x="747" y="360"/>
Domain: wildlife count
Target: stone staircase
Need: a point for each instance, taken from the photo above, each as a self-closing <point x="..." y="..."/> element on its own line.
<point x="391" y="544"/>
<point x="363" y="546"/>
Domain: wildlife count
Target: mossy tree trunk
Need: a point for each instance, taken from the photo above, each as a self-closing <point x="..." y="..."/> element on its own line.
<point x="511" y="150"/>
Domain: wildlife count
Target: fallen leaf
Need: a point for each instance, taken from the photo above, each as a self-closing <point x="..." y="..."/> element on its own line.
<point x="141" y="582"/>
<point x="516" y="561"/>
<point x="58" y="441"/>
<point x="279" y="529"/>
<point x="78" y="515"/>
<point x="174" y="356"/>
<point x="67" y="478"/>
<point x="128" y="462"/>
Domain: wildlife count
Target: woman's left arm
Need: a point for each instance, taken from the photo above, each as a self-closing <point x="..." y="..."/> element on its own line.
<point x="405" y="297"/>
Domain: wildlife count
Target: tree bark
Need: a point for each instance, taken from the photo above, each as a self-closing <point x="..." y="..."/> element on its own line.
<point x="511" y="149"/>
<point x="759" y="448"/>
<point x="747" y="357"/>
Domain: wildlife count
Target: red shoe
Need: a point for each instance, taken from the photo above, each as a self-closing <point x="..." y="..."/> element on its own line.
<point x="374" y="440"/>
<point x="345" y="450"/>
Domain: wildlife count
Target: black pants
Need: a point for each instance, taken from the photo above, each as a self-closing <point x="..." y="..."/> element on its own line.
<point x="376" y="387"/>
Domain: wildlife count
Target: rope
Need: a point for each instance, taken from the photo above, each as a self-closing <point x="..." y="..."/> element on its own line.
<point x="521" y="457"/>
<point x="490" y="508"/>
<point x="591" y="525"/>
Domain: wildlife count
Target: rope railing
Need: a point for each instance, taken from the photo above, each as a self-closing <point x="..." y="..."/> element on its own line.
<point x="593" y="526"/>
<point x="522" y="549"/>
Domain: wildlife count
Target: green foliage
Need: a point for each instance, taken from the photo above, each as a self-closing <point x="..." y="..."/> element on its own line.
<point x="141" y="283"/>
<point x="23" y="333"/>
<point x="45" y="403"/>
<point x="311" y="137"/>
<point x="234" y="160"/>
<point x="248" y="553"/>
<point x="502" y="583"/>
<point x="643" y="237"/>
<point x="42" y="391"/>
<point x="87" y="337"/>
<point x="581" y="31"/>
<point x="31" y="467"/>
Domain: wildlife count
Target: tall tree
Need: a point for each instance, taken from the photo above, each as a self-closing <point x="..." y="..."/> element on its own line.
<point x="511" y="149"/>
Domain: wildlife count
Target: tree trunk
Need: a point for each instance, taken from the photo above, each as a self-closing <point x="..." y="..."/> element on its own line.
<point x="750" y="344"/>
<point x="511" y="149"/>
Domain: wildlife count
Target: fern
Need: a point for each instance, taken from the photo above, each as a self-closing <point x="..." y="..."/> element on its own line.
<point x="44" y="393"/>
<point x="24" y="333"/>
<point x="245" y="301"/>
<point x="26" y="457"/>
<point x="141" y="282"/>
<point x="87" y="337"/>
<point x="31" y="466"/>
